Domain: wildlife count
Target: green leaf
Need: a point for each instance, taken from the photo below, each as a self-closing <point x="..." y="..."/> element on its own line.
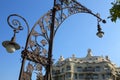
<point x="115" y="11"/>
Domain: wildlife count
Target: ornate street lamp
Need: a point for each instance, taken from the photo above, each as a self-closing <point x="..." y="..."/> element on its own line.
<point x="39" y="43"/>
<point x="99" y="33"/>
<point x="11" y="46"/>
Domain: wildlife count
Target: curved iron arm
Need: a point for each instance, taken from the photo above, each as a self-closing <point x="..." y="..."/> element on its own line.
<point x="36" y="51"/>
<point x="15" y="24"/>
<point x="44" y="23"/>
<point x="62" y="13"/>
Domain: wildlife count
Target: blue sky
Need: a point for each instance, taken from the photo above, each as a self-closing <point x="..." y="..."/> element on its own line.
<point x="75" y="36"/>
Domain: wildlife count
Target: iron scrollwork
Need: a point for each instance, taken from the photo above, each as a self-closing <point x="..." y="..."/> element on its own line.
<point x="37" y="43"/>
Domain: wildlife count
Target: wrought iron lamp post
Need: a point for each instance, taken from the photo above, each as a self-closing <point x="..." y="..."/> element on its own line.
<point x="39" y="43"/>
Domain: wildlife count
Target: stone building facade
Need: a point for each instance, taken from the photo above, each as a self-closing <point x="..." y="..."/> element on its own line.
<point x="86" y="68"/>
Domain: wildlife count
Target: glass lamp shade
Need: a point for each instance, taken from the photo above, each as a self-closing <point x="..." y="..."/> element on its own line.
<point x="100" y="34"/>
<point x="10" y="46"/>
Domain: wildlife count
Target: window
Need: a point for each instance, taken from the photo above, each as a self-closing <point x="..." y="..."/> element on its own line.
<point x="103" y="76"/>
<point x="89" y="76"/>
<point x="75" y="76"/>
<point x="107" y="75"/>
<point x="90" y="69"/>
<point x="68" y="68"/>
<point x="68" y="75"/>
<point x="57" y="72"/>
<point x="60" y="78"/>
<point x="97" y="68"/>
<point x="62" y="70"/>
<point x="53" y="72"/>
<point x="81" y="76"/>
<point x="79" y="69"/>
<point x="95" y="76"/>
